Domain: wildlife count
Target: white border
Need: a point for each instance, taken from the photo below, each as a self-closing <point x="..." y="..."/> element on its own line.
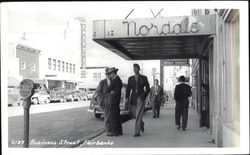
<point x="244" y="89"/>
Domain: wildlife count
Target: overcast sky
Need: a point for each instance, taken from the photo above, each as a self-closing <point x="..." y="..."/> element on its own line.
<point x="32" y="17"/>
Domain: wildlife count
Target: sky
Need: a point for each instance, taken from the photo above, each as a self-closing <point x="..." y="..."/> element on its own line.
<point x="34" y="17"/>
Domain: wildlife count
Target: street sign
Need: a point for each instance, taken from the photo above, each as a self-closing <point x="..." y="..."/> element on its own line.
<point x="175" y="62"/>
<point x="26" y="88"/>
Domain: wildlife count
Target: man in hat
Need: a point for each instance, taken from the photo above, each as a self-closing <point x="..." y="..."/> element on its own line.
<point x="156" y="98"/>
<point x="181" y="94"/>
<point x="102" y="98"/>
<point x="139" y="86"/>
<point x="114" y="98"/>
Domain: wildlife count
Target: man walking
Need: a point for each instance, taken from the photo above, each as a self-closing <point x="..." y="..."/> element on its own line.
<point x="156" y="98"/>
<point x="181" y="94"/>
<point x="139" y="86"/>
<point x="114" y="98"/>
<point x="102" y="99"/>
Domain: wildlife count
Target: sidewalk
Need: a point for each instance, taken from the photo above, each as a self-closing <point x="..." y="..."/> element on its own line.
<point x="160" y="132"/>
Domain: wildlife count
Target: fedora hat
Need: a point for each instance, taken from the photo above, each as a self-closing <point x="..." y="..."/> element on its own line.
<point x="113" y="69"/>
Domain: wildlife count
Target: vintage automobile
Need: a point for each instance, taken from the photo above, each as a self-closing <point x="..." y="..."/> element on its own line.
<point x="40" y="96"/>
<point x="98" y="110"/>
<point x="61" y="95"/>
<point x="90" y="92"/>
<point x="80" y="95"/>
<point x="14" y="98"/>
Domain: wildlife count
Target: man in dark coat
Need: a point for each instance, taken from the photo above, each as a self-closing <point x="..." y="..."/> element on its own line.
<point x="156" y="98"/>
<point x="181" y="94"/>
<point x="139" y="86"/>
<point x="114" y="98"/>
<point x="102" y="98"/>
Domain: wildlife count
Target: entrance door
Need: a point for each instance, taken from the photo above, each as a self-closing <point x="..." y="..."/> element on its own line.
<point x="204" y="119"/>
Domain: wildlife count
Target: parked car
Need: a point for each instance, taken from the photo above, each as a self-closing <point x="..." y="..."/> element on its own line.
<point x="90" y="92"/>
<point x="61" y="95"/>
<point x="40" y="96"/>
<point x="98" y="110"/>
<point x="80" y="95"/>
<point x="14" y="98"/>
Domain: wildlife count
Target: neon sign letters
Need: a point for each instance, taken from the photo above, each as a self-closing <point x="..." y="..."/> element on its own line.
<point x="165" y="29"/>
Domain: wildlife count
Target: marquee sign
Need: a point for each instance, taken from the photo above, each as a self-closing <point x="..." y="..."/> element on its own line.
<point x="154" y="27"/>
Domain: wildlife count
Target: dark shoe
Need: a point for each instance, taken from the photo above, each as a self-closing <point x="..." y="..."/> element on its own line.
<point x="158" y="116"/>
<point x="112" y="134"/>
<point x="120" y="133"/>
<point x="184" y="129"/>
<point x="137" y="135"/>
<point x="153" y="116"/>
<point x="142" y="129"/>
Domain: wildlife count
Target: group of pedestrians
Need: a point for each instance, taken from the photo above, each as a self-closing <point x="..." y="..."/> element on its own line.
<point x="109" y="95"/>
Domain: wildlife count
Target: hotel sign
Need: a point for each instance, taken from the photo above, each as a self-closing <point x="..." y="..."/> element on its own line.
<point x="154" y="27"/>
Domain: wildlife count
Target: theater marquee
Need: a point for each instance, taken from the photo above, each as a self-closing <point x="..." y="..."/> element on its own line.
<point x="154" y="27"/>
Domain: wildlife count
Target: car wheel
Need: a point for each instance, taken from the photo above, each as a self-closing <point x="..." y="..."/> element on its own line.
<point x="97" y="115"/>
<point x="35" y="101"/>
<point x="47" y="100"/>
<point x="20" y="103"/>
<point x="62" y="99"/>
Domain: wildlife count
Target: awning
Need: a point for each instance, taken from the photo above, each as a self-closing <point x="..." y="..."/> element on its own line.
<point x="155" y="38"/>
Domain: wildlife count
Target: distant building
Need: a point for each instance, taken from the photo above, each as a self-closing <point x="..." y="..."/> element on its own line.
<point x="23" y="62"/>
<point x="94" y="75"/>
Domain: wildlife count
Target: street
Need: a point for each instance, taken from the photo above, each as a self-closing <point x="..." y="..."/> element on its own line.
<point x="68" y="123"/>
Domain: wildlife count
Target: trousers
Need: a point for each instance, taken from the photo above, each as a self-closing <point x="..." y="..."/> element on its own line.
<point x="181" y="110"/>
<point x="156" y="107"/>
<point x="107" y="118"/>
<point x="139" y="124"/>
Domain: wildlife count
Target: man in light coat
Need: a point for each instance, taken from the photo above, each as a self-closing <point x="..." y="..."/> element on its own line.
<point x="156" y="98"/>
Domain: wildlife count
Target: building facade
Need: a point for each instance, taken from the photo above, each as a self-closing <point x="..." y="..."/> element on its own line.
<point x="217" y="79"/>
<point x="23" y="62"/>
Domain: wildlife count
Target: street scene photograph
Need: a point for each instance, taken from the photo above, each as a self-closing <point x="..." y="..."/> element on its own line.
<point x="126" y="75"/>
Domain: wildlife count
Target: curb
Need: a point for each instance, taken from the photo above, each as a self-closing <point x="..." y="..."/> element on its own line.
<point x="89" y="138"/>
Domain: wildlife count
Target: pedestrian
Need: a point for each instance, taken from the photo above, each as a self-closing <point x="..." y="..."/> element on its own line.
<point x="114" y="98"/>
<point x="139" y="86"/>
<point x="156" y="98"/>
<point x="102" y="98"/>
<point x="181" y="94"/>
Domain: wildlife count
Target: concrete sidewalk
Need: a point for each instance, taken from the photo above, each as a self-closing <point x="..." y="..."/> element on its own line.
<point x="159" y="132"/>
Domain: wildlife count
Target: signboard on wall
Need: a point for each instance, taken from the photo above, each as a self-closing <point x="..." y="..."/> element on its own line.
<point x="175" y="62"/>
<point x="154" y="27"/>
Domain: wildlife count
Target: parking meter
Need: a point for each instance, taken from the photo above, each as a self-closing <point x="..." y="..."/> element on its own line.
<point x="27" y="88"/>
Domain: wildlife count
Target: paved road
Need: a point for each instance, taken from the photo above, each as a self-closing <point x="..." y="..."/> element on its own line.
<point x="34" y="109"/>
<point x="62" y="128"/>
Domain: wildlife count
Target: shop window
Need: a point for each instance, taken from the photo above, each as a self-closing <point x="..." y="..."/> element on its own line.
<point x="95" y="76"/>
